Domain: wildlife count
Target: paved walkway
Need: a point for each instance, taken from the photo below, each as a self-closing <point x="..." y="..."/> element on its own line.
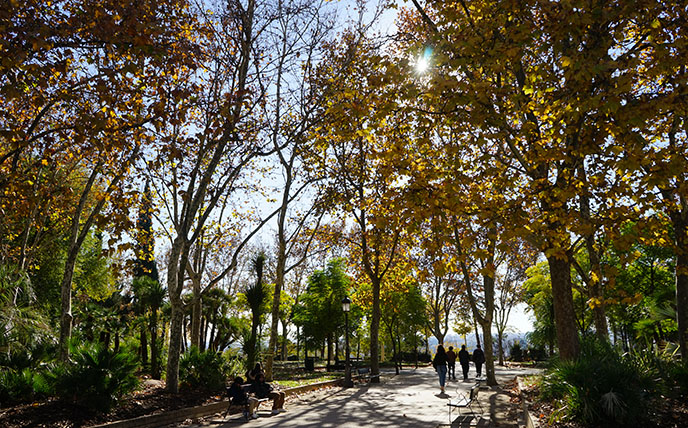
<point x="411" y="399"/>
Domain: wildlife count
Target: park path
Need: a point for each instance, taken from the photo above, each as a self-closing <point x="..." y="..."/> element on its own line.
<point x="410" y="399"/>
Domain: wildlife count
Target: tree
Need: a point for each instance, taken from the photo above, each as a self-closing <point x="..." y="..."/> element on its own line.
<point x="509" y="286"/>
<point x="538" y="296"/>
<point x="89" y="89"/>
<point x="440" y="282"/>
<point x="301" y="29"/>
<point x="319" y="312"/>
<point x="203" y="154"/>
<point x="358" y="128"/>
<point x="145" y="266"/>
<point x="402" y="303"/>
<point x="256" y="296"/>
<point x="546" y="88"/>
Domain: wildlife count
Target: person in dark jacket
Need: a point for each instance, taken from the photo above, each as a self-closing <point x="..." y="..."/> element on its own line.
<point x="239" y="397"/>
<point x="464" y="360"/>
<point x="263" y="389"/>
<point x="451" y="363"/>
<point x="478" y="359"/>
<point x="252" y="375"/>
<point x="440" y="365"/>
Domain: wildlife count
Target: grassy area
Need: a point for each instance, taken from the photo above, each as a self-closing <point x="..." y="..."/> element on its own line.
<point x="291" y="379"/>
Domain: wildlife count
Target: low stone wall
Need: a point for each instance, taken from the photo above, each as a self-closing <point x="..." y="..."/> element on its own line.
<point x="179" y="415"/>
<point x="530" y="420"/>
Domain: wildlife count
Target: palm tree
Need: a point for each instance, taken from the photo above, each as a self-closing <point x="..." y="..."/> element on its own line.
<point x="255" y="297"/>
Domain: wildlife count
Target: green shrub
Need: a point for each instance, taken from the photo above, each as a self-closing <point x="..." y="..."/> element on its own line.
<point x="515" y="352"/>
<point x="537" y="354"/>
<point x="206" y="370"/>
<point x="670" y="375"/>
<point x="600" y="387"/>
<point x="95" y="377"/>
<point x="234" y="363"/>
<point x="16" y="386"/>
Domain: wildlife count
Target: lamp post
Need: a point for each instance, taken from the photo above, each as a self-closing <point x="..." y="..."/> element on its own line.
<point x="346" y="307"/>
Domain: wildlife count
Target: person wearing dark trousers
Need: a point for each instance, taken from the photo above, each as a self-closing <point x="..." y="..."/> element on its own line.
<point x="478" y="359"/>
<point x="464" y="360"/>
<point x="440" y="365"/>
<point x="263" y="389"/>
<point x="239" y="397"/>
<point x="451" y="363"/>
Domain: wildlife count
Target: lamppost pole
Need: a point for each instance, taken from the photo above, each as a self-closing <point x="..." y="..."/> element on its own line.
<point x="346" y="306"/>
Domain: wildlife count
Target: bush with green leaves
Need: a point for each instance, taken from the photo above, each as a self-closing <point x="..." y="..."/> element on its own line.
<point x="95" y="377"/>
<point x="207" y="370"/>
<point x="21" y="374"/>
<point x="600" y="388"/>
<point x="670" y="374"/>
<point x="515" y="351"/>
<point x="234" y="363"/>
<point x="17" y="386"/>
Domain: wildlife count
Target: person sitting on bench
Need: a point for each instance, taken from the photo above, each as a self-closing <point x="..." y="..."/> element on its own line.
<point x="239" y="397"/>
<point x="252" y="375"/>
<point x="263" y="389"/>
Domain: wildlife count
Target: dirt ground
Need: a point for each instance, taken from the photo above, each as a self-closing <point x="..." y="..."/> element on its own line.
<point x="666" y="413"/>
<point x="152" y="399"/>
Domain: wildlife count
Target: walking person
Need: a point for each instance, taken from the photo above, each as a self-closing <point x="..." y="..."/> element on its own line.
<point x="464" y="360"/>
<point x="478" y="359"/>
<point x="440" y="365"/>
<point x="451" y="363"/>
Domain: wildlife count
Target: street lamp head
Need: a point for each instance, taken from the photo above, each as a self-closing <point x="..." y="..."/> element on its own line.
<point x="346" y="304"/>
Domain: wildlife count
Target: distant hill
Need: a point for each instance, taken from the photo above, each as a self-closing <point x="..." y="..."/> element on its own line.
<point x="456" y="341"/>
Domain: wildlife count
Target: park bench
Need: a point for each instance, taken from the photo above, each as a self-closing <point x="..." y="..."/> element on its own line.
<point x="466" y="401"/>
<point x="245" y="407"/>
<point x="364" y="374"/>
<point x="336" y="367"/>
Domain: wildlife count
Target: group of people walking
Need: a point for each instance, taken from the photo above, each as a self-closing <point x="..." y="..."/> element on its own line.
<point x="445" y="363"/>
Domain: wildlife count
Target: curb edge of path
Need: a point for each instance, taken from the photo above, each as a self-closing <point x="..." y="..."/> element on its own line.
<point x="173" y="416"/>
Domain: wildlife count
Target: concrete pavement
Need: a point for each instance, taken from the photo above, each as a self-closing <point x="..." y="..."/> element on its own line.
<point x="411" y="399"/>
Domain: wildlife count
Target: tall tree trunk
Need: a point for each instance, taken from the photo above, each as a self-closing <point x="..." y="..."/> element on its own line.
<point x="203" y="335"/>
<point x="211" y="341"/>
<point x="279" y="284"/>
<point x="375" y="332"/>
<point x="298" y="342"/>
<point x="500" y="346"/>
<point x="488" y="348"/>
<point x="486" y="321"/>
<point x="594" y="277"/>
<point x="179" y="254"/>
<point x="564" y="314"/>
<point x="330" y="347"/>
<point x="284" y="341"/>
<point x="174" y="345"/>
<point x="143" y="351"/>
<point x="253" y="339"/>
<point x="66" y="317"/>
<point x="155" y="349"/>
<point x="680" y="223"/>
<point x="394" y="351"/>
<point x="196" y="315"/>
